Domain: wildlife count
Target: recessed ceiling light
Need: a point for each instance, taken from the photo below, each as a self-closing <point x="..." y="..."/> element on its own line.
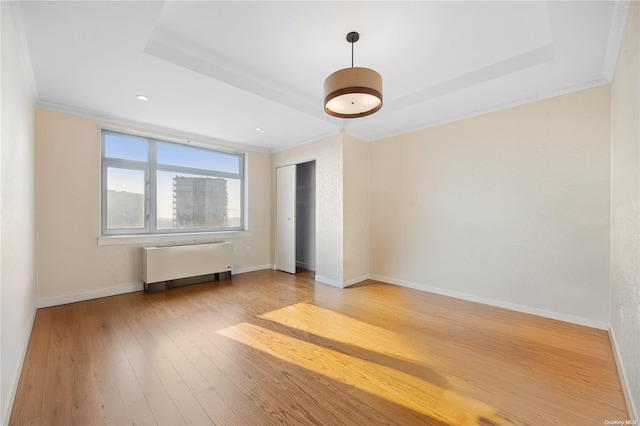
<point x="142" y="98"/>
<point x="258" y="129"/>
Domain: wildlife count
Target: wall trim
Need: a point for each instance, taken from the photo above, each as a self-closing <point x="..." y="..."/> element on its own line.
<point x="620" y="12"/>
<point x="89" y="295"/>
<point x="139" y="286"/>
<point x="251" y="269"/>
<point x="13" y="389"/>
<point x="329" y="281"/>
<point x="48" y="302"/>
<point x="486" y="110"/>
<point x="493" y="302"/>
<point x="23" y="49"/>
<point x="305" y="141"/>
<point x="106" y="120"/>
<point x="355" y="280"/>
<point x="626" y="389"/>
<point x="341" y="284"/>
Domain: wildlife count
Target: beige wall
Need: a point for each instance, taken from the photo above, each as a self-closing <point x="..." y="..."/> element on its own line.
<point x="258" y="207"/>
<point x="328" y="155"/>
<point x="342" y="225"/>
<point x="511" y="207"/>
<point x="70" y="261"/>
<point x="356" y="210"/>
<point x="17" y="215"/>
<point x="625" y="231"/>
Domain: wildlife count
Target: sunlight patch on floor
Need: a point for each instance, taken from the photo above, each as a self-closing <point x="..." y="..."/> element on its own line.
<point x="344" y="329"/>
<point x="384" y="382"/>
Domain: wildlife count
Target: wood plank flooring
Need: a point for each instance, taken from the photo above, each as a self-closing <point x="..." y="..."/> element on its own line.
<point x="267" y="348"/>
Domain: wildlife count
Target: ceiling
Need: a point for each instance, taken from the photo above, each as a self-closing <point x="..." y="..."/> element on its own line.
<point x="219" y="70"/>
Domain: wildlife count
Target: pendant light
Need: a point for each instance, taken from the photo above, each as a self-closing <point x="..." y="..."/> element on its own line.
<point x="353" y="92"/>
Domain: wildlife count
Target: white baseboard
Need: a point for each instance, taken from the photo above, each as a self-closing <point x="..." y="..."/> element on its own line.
<point x="355" y="280"/>
<point x="329" y="281"/>
<point x="252" y="269"/>
<point x="88" y="295"/>
<point x="498" y="303"/>
<point x="114" y="291"/>
<point x="341" y="284"/>
<point x="631" y="408"/>
<point x="15" y="380"/>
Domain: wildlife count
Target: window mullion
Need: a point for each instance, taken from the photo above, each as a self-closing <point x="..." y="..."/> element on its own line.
<point x="153" y="187"/>
<point x="201" y="172"/>
<point x="117" y="164"/>
<point x="103" y="190"/>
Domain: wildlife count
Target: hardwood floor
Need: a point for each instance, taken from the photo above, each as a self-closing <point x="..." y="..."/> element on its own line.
<point x="272" y="348"/>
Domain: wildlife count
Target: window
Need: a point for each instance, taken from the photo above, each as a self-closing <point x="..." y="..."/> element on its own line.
<point x="151" y="186"/>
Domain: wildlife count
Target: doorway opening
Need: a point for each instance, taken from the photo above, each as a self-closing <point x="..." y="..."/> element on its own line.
<point x="306" y="216"/>
<point x="296" y="217"/>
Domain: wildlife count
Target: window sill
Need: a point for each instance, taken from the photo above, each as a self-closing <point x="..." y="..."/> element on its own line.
<point x="203" y="237"/>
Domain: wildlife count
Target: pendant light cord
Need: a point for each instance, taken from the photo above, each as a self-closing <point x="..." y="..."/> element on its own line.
<point x="352" y="43"/>
<point x="352" y="37"/>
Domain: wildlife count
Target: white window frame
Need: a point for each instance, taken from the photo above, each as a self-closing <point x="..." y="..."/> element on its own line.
<point x="150" y="168"/>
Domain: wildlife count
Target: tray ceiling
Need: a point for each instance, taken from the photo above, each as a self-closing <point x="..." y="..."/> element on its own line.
<point x="221" y="69"/>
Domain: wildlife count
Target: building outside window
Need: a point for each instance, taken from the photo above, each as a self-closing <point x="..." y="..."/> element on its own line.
<point x="199" y="202"/>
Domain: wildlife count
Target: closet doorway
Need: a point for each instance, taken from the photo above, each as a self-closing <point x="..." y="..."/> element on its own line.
<point x="296" y="217"/>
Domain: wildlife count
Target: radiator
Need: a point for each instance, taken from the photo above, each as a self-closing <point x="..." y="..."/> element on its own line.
<point x="162" y="264"/>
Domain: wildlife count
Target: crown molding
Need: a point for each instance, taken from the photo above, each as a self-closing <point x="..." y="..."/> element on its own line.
<point x="212" y="141"/>
<point x="517" y="102"/>
<point x="23" y="49"/>
<point x="306" y="141"/>
<point x="106" y="119"/>
<point x="620" y="12"/>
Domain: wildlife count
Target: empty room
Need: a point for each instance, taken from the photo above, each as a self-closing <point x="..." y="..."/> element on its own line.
<point x="328" y="213"/>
